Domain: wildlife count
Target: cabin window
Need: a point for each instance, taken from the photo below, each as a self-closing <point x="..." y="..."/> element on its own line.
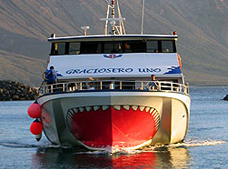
<point x="90" y="47"/>
<point x="167" y="46"/>
<point x="61" y="48"/>
<point x="94" y="47"/>
<point x="74" y="48"/>
<point x="113" y="47"/>
<point x="135" y="47"/>
<point x="58" y="48"/>
<point x="152" y="46"/>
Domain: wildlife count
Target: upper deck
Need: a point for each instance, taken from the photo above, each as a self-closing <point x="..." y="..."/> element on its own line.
<point x="109" y="44"/>
<point x="115" y="56"/>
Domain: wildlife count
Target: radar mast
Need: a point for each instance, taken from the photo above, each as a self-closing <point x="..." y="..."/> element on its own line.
<point x="113" y="25"/>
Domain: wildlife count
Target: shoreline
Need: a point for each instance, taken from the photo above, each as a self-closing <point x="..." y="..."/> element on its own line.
<point x="13" y="90"/>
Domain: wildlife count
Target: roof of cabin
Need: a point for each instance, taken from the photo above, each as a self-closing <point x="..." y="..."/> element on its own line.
<point x="112" y="37"/>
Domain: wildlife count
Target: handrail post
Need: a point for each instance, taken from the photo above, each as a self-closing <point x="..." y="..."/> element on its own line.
<point x="159" y="85"/>
<point x="51" y="88"/>
<point x="186" y="87"/>
<point x="76" y="86"/>
<point x="44" y="90"/>
<point x="141" y="85"/>
<point x="101" y="85"/>
<point x="64" y="87"/>
<point x="121" y="85"/>
<point x="80" y="86"/>
<point x="111" y="85"/>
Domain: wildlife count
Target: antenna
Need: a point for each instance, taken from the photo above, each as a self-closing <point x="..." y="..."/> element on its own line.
<point x="112" y="20"/>
<point x="142" y="21"/>
<point x="85" y="28"/>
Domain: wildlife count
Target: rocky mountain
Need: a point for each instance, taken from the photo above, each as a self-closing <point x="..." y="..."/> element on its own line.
<point x="202" y="27"/>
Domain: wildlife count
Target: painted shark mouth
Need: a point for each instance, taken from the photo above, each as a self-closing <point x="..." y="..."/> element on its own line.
<point x="117" y="125"/>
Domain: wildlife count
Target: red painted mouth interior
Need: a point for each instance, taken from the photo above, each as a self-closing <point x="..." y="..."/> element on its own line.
<point x="122" y="128"/>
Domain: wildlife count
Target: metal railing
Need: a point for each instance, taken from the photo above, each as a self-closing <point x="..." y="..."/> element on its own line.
<point x="166" y="86"/>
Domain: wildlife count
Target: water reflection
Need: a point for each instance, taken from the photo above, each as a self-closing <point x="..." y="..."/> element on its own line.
<point x="162" y="157"/>
<point x="177" y="157"/>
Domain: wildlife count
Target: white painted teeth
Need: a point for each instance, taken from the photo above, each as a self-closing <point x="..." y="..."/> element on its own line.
<point x="126" y="107"/>
<point x="147" y="109"/>
<point x="141" y="108"/>
<point x="71" y="113"/>
<point x="105" y="108"/>
<point x="117" y="107"/>
<point x="81" y="109"/>
<point x="153" y="112"/>
<point x="134" y="107"/>
<point x="95" y="108"/>
<point x="88" y="108"/>
<point x="75" y="110"/>
<point x="156" y="118"/>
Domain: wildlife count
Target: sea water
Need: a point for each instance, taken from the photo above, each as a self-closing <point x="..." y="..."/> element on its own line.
<point x="205" y="145"/>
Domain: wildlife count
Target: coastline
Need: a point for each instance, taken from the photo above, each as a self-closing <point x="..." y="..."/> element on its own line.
<point x="13" y="90"/>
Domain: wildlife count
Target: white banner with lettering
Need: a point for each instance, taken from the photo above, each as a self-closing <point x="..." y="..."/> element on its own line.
<point x="115" y="65"/>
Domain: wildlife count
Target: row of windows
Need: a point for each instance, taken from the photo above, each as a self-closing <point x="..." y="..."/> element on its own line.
<point x="75" y="48"/>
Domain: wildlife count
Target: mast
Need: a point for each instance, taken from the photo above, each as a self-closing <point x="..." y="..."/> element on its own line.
<point x="113" y="25"/>
<point x="142" y="22"/>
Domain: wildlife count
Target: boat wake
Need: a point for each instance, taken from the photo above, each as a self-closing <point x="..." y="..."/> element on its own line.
<point x="157" y="148"/>
<point x="78" y="150"/>
<point x="17" y="145"/>
<point x="186" y="144"/>
<point x="193" y="143"/>
<point x="24" y="144"/>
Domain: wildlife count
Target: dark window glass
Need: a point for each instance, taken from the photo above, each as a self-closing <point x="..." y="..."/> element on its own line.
<point x="58" y="49"/>
<point x="152" y="46"/>
<point x="113" y="47"/>
<point x="61" y="48"/>
<point x="90" y="47"/>
<point x="167" y="46"/>
<point x="134" y="46"/>
<point x="74" y="48"/>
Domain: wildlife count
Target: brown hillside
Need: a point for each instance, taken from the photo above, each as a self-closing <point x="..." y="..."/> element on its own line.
<point x="202" y="27"/>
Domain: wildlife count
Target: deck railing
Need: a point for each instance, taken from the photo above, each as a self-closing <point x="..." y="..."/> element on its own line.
<point x="166" y="86"/>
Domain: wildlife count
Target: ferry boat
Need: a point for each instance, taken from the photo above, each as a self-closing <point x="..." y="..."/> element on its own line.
<point x="121" y="110"/>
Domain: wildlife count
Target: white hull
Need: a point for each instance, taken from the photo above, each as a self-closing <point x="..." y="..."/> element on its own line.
<point x="173" y="109"/>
